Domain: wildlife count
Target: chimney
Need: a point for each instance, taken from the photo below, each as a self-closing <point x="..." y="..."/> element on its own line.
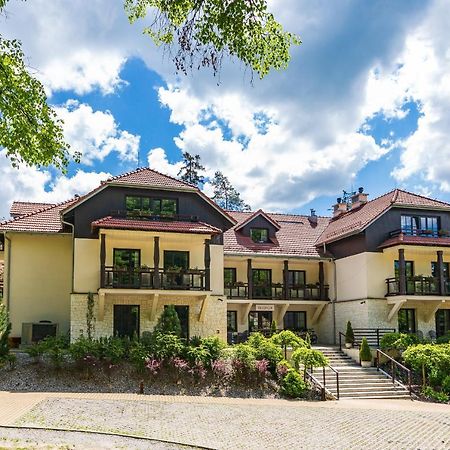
<point x="339" y="208"/>
<point x="359" y="199"/>
<point x="313" y="217"/>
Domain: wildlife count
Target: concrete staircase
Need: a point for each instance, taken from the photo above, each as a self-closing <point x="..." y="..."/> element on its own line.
<point x="354" y="380"/>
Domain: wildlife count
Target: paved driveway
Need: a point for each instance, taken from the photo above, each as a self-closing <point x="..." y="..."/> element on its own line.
<point x="243" y="424"/>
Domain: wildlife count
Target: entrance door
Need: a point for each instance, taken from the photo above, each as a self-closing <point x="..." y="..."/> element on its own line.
<point x="126" y="320"/>
<point x="259" y="320"/>
<point x="262" y="283"/>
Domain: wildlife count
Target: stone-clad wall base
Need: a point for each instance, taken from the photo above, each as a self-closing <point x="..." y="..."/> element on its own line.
<point x="214" y="322"/>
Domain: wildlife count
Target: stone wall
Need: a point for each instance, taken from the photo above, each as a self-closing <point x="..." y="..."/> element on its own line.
<point x="214" y="322"/>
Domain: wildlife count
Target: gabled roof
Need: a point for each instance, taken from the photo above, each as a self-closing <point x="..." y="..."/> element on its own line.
<point x="155" y="225"/>
<point x="261" y="213"/>
<point x="357" y="220"/>
<point x="23" y="208"/>
<point x="43" y="220"/>
<point x="295" y="237"/>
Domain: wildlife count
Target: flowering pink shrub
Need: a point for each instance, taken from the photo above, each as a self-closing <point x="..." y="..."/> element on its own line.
<point x="180" y="364"/>
<point x="282" y="370"/>
<point x="153" y="365"/>
<point x="221" y="369"/>
<point x="262" y="366"/>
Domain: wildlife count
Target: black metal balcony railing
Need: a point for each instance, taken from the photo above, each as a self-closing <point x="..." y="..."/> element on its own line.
<point x="275" y="291"/>
<point x="409" y="231"/>
<point x="125" y="278"/>
<point x="417" y="285"/>
<point x="141" y="215"/>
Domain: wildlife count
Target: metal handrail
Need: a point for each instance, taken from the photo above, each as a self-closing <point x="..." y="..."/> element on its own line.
<point x="318" y="384"/>
<point x="337" y="380"/>
<point x="323" y="386"/>
<point x="394" y="363"/>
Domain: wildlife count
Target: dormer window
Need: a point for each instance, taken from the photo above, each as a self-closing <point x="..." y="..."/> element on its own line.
<point x="260" y="235"/>
<point x="420" y="226"/>
<point x="146" y="206"/>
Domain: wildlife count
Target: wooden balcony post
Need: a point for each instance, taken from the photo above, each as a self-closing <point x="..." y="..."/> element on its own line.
<point x="286" y="279"/>
<point x="321" y="281"/>
<point x="207" y="265"/>
<point x="440" y="274"/>
<point x="156" y="277"/>
<point x="249" y="278"/>
<point x="102" y="260"/>
<point x="401" y="271"/>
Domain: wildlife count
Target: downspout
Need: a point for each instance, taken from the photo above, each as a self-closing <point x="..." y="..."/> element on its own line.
<point x="73" y="251"/>
<point x="8" y="272"/>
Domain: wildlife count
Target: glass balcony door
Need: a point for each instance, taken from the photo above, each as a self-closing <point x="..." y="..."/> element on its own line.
<point x="262" y="283"/>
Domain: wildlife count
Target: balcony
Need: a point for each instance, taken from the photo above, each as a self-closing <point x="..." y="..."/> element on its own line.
<point x="430" y="233"/>
<point x="276" y="291"/>
<point x="149" y="278"/>
<point x="417" y="285"/>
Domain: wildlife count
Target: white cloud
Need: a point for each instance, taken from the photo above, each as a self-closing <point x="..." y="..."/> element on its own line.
<point x="96" y="134"/>
<point x="30" y="184"/>
<point x="157" y="160"/>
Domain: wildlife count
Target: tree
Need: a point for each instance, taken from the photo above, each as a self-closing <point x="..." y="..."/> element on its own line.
<point x="225" y="195"/>
<point x="189" y="170"/>
<point x="29" y="129"/>
<point x="5" y="328"/>
<point x="168" y="322"/>
<point x="205" y="31"/>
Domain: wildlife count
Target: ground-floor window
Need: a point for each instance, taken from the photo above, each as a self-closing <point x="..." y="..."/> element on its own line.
<point x="295" y="320"/>
<point x="183" y="315"/>
<point x="232" y="321"/>
<point x="442" y="322"/>
<point x="259" y="320"/>
<point x="407" y="320"/>
<point x="126" y="320"/>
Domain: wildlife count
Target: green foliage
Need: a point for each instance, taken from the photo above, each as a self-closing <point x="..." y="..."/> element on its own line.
<point x="245" y="354"/>
<point x="292" y="384"/>
<point x="273" y="327"/>
<point x="166" y="346"/>
<point x="56" y="349"/>
<point x="29" y="129"/>
<point x="432" y="360"/>
<point x="36" y="351"/>
<point x="205" y="31"/>
<point x="445" y="339"/>
<point x="168" y="322"/>
<point x="308" y="357"/>
<point x="265" y="349"/>
<point x="90" y="317"/>
<point x="398" y="341"/>
<point x="189" y="171"/>
<point x="82" y="348"/>
<point x="440" y="397"/>
<point x="225" y="195"/>
<point x="137" y="354"/>
<point x="214" y="347"/>
<point x="364" y="352"/>
<point x="288" y="338"/>
<point x="308" y="340"/>
<point x="349" y="335"/>
<point x="446" y="384"/>
<point x="5" y="329"/>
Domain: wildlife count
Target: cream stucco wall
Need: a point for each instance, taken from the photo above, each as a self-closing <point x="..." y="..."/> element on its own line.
<point x="40" y="279"/>
<point x="216" y="272"/>
<point x="213" y="323"/>
<point x="86" y="265"/>
<point x="351" y="276"/>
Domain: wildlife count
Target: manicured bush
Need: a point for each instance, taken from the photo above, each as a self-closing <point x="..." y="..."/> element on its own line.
<point x="398" y="341"/>
<point x="349" y="335"/>
<point x="307" y="358"/>
<point x="5" y="329"/>
<point x="445" y="339"/>
<point x="266" y="349"/>
<point x="287" y="338"/>
<point x="292" y="385"/>
<point x="166" y="346"/>
<point x="168" y="322"/>
<point x="364" y="352"/>
<point x="440" y="397"/>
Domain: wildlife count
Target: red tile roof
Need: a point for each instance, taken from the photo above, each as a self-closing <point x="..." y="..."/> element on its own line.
<point x="145" y="176"/>
<point x="261" y="213"/>
<point x="355" y="221"/>
<point x="23" y="208"/>
<point x="44" y="220"/>
<point x="402" y="239"/>
<point x="154" y="225"/>
<point x="296" y="236"/>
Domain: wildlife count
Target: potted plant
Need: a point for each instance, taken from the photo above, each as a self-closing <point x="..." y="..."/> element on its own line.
<point x="365" y="354"/>
<point x="349" y="336"/>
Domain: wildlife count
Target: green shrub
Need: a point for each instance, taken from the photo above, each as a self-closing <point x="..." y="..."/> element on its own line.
<point x="349" y="335"/>
<point x="5" y="329"/>
<point x="166" y="346"/>
<point x="307" y="358"/>
<point x="364" y="353"/>
<point x="292" y="384"/>
<point x="244" y="355"/>
<point x="56" y="349"/>
<point x="287" y="338"/>
<point x="446" y="384"/>
<point x="398" y="341"/>
<point x="440" y="397"/>
<point x="168" y="322"/>
<point x="214" y="345"/>
<point x="82" y="348"/>
<point x="198" y="355"/>
<point x="36" y="351"/>
<point x="265" y="349"/>
<point x="137" y="354"/>
<point x="445" y="339"/>
<point x="112" y="349"/>
<point x="273" y="327"/>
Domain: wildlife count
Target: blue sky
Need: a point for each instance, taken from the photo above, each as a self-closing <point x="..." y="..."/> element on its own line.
<point x="364" y="102"/>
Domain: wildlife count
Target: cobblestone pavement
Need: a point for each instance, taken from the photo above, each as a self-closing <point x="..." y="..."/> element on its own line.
<point x="247" y="424"/>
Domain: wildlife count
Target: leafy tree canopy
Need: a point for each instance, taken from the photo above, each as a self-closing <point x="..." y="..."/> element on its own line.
<point x="204" y="31"/>
<point x="189" y="172"/>
<point x="29" y="129"/>
<point x="225" y="195"/>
